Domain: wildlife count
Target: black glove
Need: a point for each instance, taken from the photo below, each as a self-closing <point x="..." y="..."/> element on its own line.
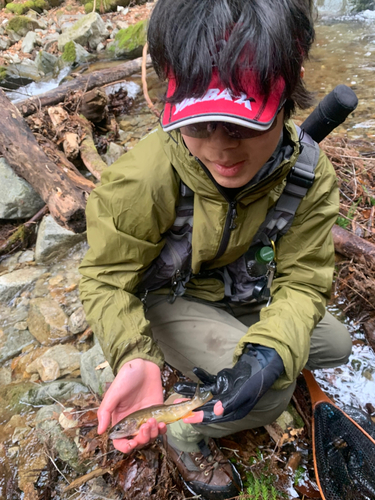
<point x="238" y="388"/>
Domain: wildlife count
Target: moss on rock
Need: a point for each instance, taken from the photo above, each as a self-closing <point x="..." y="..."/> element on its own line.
<point x="21" y="25"/>
<point x="69" y="55"/>
<point x="130" y="41"/>
<point x="3" y="73"/>
<point x="22" y="8"/>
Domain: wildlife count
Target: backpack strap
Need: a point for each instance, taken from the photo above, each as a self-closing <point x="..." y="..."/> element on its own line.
<point x="299" y="180"/>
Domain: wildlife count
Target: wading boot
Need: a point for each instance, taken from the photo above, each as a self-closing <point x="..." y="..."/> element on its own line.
<point x="206" y="472"/>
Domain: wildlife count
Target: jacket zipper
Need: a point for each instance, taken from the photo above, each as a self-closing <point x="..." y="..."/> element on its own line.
<point x="230" y="217"/>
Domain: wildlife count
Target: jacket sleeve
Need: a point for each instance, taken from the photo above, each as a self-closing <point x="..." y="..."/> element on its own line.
<point x="126" y="217"/>
<point x="301" y="289"/>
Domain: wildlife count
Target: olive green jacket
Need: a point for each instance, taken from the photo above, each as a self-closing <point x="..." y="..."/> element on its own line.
<point x="135" y="205"/>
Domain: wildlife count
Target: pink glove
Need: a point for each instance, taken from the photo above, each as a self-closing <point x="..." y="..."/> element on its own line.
<point x="137" y="385"/>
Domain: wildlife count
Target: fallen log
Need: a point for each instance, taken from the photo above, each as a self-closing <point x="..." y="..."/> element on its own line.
<point x="66" y="200"/>
<point x="57" y="157"/>
<point x="353" y="246"/>
<point x="86" y="82"/>
<point x="89" y="153"/>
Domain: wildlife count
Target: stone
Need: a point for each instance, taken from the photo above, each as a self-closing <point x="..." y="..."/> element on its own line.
<point x="48" y="369"/>
<point x="46" y="62"/>
<point x="74" y="53"/>
<point x="95" y="379"/>
<point x="90" y="29"/>
<point x="26" y="256"/>
<point x="5" y="375"/>
<point x="54" y="242"/>
<point x="25" y="69"/>
<point x="21" y="25"/>
<point x="59" y="390"/>
<point x="113" y="153"/>
<point x="5" y="43"/>
<point x="13" y="283"/>
<point x="129" y="42"/>
<point x="50" y="432"/>
<point x="77" y="321"/>
<point x="66" y="357"/>
<point x="18" y="200"/>
<point x="15" y="342"/>
<point x="29" y="42"/>
<point x="46" y="321"/>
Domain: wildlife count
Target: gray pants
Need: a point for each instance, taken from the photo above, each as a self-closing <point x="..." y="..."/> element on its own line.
<point x="192" y="333"/>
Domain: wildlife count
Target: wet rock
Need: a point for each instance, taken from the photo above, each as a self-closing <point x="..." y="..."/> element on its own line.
<point x="15" y="341"/>
<point x="60" y="360"/>
<point x="90" y="30"/>
<point x="20" y="363"/>
<point x="113" y="153"/>
<point x="14" y="282"/>
<point x="53" y="241"/>
<point x="129" y="42"/>
<point x="25" y="69"/>
<point x="18" y="200"/>
<point x="77" y="321"/>
<point x="95" y="379"/>
<point x="26" y="256"/>
<point x="46" y="62"/>
<point x="49" y="431"/>
<point x="29" y="42"/>
<point x="32" y="460"/>
<point x="98" y="488"/>
<point x="60" y="391"/>
<point x="20" y="433"/>
<point x="14" y="399"/>
<point x="46" y="321"/>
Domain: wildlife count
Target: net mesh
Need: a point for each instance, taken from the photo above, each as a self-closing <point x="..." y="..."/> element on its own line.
<point x="345" y="456"/>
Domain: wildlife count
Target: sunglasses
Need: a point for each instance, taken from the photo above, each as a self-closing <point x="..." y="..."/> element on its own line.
<point x="204" y="130"/>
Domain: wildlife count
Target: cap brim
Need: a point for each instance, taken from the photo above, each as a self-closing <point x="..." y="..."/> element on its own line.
<point x="250" y="110"/>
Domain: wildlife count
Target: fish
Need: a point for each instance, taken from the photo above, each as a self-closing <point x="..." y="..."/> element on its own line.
<point x="129" y="426"/>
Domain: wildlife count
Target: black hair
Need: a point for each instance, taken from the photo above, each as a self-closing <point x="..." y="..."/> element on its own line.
<point x="190" y="38"/>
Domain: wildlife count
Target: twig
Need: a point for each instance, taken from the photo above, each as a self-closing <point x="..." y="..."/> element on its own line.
<point x="58" y="470"/>
<point x="144" y="83"/>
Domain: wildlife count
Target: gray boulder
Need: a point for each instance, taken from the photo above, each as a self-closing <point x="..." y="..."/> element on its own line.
<point x="13" y="283"/>
<point x="89" y="30"/>
<point x="94" y="378"/>
<point x="54" y="242"/>
<point x="29" y="42"/>
<point x="18" y="200"/>
<point x="46" y="62"/>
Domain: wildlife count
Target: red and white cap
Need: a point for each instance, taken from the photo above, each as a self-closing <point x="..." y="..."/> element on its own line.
<point x="248" y="109"/>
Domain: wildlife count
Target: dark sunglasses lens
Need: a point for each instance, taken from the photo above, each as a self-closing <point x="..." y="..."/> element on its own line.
<point x="204" y="130"/>
<point x="197" y="130"/>
<point x="240" y="132"/>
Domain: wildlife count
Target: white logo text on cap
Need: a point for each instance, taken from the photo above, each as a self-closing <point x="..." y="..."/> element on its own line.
<point x="214" y="95"/>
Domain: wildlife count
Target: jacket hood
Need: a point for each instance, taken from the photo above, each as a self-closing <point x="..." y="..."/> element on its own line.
<point x="195" y="177"/>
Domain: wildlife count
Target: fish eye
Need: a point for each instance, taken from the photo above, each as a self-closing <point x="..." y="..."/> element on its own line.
<point x="118" y="428"/>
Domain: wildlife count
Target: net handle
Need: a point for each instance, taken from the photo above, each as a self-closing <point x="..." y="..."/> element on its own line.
<point x="316" y="393"/>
